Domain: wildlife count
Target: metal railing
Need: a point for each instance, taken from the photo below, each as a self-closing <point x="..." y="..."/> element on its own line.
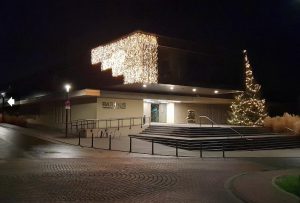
<point x="214" y="123"/>
<point x="177" y="143"/>
<point x="115" y="123"/>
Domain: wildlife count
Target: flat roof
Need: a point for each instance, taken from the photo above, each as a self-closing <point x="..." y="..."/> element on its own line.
<point x="174" y="89"/>
<point x="146" y="96"/>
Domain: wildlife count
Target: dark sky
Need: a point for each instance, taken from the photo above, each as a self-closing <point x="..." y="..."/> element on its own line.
<point x="37" y="35"/>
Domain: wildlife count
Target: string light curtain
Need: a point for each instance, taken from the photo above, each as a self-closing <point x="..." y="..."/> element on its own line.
<point x="134" y="57"/>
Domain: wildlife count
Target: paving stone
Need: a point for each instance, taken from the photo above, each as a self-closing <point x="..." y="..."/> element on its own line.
<point x="117" y="179"/>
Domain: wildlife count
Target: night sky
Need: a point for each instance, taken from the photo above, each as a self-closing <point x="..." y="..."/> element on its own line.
<point x="49" y="35"/>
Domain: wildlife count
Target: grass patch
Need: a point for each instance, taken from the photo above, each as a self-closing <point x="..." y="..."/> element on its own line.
<point x="290" y="184"/>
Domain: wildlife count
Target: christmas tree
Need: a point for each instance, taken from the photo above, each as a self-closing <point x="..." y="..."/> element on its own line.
<point x="247" y="107"/>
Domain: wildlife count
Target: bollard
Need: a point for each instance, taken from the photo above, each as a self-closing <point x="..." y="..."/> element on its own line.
<point x="130" y="149"/>
<point x="79" y="138"/>
<point x="176" y="149"/>
<point x="92" y="139"/>
<point x="152" y="147"/>
<point x="109" y="146"/>
<point x="200" y="150"/>
<point x="223" y="149"/>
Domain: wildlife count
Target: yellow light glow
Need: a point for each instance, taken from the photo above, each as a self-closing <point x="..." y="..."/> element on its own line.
<point x="248" y="108"/>
<point x="134" y="57"/>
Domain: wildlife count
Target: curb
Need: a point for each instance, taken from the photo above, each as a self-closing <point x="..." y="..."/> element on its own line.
<point x="282" y="190"/>
<point x="228" y="187"/>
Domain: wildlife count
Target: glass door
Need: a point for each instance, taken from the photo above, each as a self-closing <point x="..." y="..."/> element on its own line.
<point x="154" y="112"/>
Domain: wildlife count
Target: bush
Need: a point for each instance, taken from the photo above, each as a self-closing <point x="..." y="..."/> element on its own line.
<point x="297" y="127"/>
<point x="283" y="123"/>
<point x="15" y="120"/>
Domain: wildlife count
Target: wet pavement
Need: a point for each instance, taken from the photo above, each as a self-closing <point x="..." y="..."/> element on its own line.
<point x="14" y="144"/>
<point x="35" y="170"/>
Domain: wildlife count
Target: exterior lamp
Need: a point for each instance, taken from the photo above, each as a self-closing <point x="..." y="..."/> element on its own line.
<point x="67" y="106"/>
<point x="67" y="87"/>
<point x="144" y="85"/>
<point x="216" y="91"/>
<point x="172" y="87"/>
<point x="194" y="89"/>
<point x="3" y="98"/>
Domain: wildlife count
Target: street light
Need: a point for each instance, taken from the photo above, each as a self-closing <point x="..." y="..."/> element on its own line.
<point x="67" y="105"/>
<point x="3" y="98"/>
<point x="67" y="87"/>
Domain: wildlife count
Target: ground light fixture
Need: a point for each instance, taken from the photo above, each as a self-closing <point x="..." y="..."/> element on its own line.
<point x="216" y="91"/>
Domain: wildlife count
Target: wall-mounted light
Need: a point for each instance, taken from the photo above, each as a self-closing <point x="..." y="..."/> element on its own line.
<point x="216" y="91"/>
<point x="144" y="85"/>
<point x="172" y="87"/>
<point x="194" y="89"/>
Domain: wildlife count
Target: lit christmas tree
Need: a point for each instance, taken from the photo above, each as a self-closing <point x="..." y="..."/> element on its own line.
<point x="247" y="107"/>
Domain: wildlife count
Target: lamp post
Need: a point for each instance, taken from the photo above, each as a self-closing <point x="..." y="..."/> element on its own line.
<point x="67" y="106"/>
<point x="2" y="109"/>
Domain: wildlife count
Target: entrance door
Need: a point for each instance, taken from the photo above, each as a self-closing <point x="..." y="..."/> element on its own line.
<point x="154" y="112"/>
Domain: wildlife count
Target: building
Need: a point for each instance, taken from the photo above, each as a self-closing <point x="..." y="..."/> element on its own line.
<point x="159" y="80"/>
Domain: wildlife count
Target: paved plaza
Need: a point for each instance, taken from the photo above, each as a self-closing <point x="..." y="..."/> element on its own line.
<point x="51" y="171"/>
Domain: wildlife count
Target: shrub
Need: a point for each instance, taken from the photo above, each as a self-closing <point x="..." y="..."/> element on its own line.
<point x="283" y="123"/>
<point x="297" y="127"/>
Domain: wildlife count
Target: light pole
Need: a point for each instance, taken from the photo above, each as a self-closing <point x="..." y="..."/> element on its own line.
<point x="2" y="109"/>
<point x="67" y="106"/>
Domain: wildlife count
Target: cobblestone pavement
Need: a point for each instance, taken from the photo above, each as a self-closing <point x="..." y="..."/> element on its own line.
<point x="35" y="170"/>
<point x="119" y="179"/>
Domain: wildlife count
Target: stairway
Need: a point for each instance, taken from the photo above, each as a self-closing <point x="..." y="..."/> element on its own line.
<point x="219" y="138"/>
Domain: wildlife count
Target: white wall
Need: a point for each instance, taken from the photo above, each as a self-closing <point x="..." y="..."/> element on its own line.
<point x="162" y="113"/>
<point x="52" y="114"/>
<point x="147" y="109"/>
<point x="170" y="112"/>
<point x="217" y="112"/>
<point x="84" y="111"/>
<point x="134" y="108"/>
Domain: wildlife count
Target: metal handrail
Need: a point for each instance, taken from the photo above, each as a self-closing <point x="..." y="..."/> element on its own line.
<point x="213" y="122"/>
<point x="95" y="123"/>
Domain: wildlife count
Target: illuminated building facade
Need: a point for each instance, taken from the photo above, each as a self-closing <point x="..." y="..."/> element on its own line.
<point x="161" y="80"/>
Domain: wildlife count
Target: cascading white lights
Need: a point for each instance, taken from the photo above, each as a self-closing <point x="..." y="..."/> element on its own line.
<point x="134" y="57"/>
